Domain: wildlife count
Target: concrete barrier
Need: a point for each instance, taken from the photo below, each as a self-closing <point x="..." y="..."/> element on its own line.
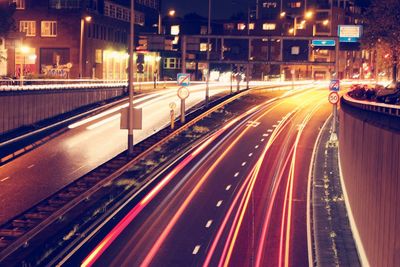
<point x="369" y="143"/>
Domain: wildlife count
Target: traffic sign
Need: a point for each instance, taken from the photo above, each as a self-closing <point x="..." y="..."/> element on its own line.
<point x="323" y="42"/>
<point x="334" y="85"/>
<point x="183" y="79"/>
<point x="183" y="93"/>
<point x="333" y="98"/>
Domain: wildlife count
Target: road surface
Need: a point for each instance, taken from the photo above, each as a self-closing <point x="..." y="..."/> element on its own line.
<point x="237" y="200"/>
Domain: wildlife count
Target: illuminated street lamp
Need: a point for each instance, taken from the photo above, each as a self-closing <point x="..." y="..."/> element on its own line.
<point x="283" y="14"/>
<point x="171" y="12"/>
<point x="24" y="51"/>
<point x="325" y="22"/>
<point x="88" y="19"/>
<point x="307" y="15"/>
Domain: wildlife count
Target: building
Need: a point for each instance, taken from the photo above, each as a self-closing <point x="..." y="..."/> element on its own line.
<point x="77" y="38"/>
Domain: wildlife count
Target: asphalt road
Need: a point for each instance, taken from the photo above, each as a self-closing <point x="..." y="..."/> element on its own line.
<point x="237" y="200"/>
<point x="43" y="171"/>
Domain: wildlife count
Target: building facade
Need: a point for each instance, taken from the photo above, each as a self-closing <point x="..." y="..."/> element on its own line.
<point x="76" y="38"/>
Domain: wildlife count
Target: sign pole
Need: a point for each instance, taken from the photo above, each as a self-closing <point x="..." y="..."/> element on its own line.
<point x="182" y="110"/>
<point x="130" y="78"/>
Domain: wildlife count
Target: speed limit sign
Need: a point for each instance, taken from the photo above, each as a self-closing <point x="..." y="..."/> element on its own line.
<point x="333" y="98"/>
<point x="183" y="93"/>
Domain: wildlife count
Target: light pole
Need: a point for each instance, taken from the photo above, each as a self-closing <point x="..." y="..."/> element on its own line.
<point x="307" y="15"/>
<point x="87" y="19"/>
<point x="131" y="78"/>
<point x="208" y="54"/>
<point x="24" y="51"/>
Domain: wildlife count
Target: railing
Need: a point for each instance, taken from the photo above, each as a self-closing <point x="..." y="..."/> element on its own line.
<point x="388" y="109"/>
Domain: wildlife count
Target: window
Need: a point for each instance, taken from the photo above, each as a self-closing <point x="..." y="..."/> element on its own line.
<point x="28" y="27"/>
<point x="172" y="63"/>
<point x="251" y="26"/>
<point x="295" y="50"/>
<point x="269" y="26"/>
<point x="229" y="26"/>
<point x="175" y="29"/>
<point x="203" y="30"/>
<point x="99" y="56"/>
<point x="64" y="4"/>
<point x="49" y="28"/>
<point x="294" y="4"/>
<point x="20" y="4"/>
<point x="241" y="26"/>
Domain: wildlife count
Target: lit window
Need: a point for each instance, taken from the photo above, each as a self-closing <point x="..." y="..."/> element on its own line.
<point x="251" y="26"/>
<point x="269" y="26"/>
<point x="99" y="56"/>
<point x="20" y="4"/>
<point x="269" y="4"/>
<point x="175" y="29"/>
<point x="28" y="27"/>
<point x="203" y="47"/>
<point x="172" y="63"/>
<point x="48" y="28"/>
<point x="241" y="26"/>
<point x="294" y="4"/>
<point x="295" y="50"/>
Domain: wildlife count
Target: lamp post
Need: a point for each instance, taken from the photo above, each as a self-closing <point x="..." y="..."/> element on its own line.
<point x="307" y="15"/>
<point x="131" y="78"/>
<point x="87" y="19"/>
<point x="208" y="54"/>
<point x="24" y="51"/>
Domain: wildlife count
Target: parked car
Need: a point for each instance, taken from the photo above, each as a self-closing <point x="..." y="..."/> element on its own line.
<point x="389" y="93"/>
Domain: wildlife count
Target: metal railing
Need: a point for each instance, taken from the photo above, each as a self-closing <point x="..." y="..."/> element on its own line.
<point x="393" y="110"/>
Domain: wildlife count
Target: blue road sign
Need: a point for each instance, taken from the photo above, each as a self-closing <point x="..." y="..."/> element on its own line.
<point x="349" y="39"/>
<point x="323" y="42"/>
<point x="183" y="79"/>
<point x="334" y="85"/>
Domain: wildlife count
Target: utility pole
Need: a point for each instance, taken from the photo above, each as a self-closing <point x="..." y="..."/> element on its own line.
<point x="131" y="78"/>
<point x="208" y="54"/>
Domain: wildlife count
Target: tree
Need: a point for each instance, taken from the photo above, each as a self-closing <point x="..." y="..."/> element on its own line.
<point x="382" y="28"/>
<point x="7" y="22"/>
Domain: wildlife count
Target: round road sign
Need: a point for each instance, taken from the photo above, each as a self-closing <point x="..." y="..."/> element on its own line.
<point x="333" y="98"/>
<point x="183" y="93"/>
<point x="172" y="105"/>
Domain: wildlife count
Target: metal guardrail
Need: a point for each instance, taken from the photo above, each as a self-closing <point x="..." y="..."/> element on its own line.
<point x="387" y="109"/>
<point x="21" y="229"/>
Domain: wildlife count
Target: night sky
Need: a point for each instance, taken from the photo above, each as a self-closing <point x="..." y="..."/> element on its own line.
<point x="221" y="9"/>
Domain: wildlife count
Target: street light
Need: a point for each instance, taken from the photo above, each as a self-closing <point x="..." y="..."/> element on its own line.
<point x="208" y="53"/>
<point x="171" y="12"/>
<point x="88" y="19"/>
<point x="24" y="51"/>
<point x="131" y="78"/>
<point x="325" y="22"/>
<point x="307" y="15"/>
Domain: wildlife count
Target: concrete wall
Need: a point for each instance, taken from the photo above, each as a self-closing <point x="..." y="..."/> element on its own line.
<point x="370" y="159"/>
<point x="19" y="108"/>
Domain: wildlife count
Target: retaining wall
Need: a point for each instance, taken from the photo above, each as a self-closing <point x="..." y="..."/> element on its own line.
<point x="369" y="145"/>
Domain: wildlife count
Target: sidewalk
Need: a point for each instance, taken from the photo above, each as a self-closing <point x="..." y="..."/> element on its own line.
<point x="333" y="241"/>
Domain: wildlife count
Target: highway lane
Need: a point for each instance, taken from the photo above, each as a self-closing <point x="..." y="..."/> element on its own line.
<point x="46" y="169"/>
<point x="213" y="208"/>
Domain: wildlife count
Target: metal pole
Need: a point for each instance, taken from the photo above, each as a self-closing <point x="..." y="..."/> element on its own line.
<point x="208" y="54"/>
<point x="131" y="78"/>
<point x="183" y="61"/>
<point x="295" y="26"/>
<point x="337" y="59"/>
<point x="81" y="49"/>
<point x="183" y="110"/>
<point x="248" y="66"/>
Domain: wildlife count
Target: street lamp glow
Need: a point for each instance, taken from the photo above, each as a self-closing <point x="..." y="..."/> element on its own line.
<point x="171" y="13"/>
<point x="303" y="21"/>
<point x="291" y="30"/>
<point x="325" y="22"/>
<point x="309" y="14"/>
<point x="88" y="18"/>
<point x="24" y="49"/>
<point x="283" y="14"/>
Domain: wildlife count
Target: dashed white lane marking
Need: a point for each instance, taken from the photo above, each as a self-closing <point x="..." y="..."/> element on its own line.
<point x="228" y="187"/>
<point x="208" y="224"/>
<point x="274" y="126"/>
<point x="256" y="146"/>
<point x="5" y="179"/>
<point x="251" y="154"/>
<point x="31" y="166"/>
<point x="236" y="174"/>
<point x="219" y="203"/>
<point x="262" y="140"/>
<point x="243" y="163"/>
<point x="196" y="249"/>
<point x="269" y="130"/>
<point x="265" y="135"/>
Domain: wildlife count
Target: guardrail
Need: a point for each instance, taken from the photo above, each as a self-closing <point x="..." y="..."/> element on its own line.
<point x="387" y="109"/>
